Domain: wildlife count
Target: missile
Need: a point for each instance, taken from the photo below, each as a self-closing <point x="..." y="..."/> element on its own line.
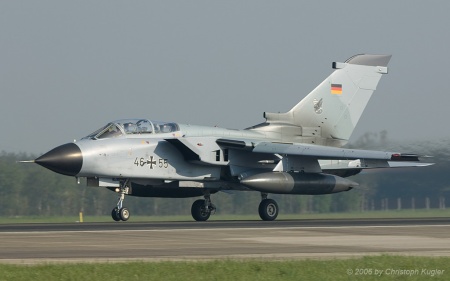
<point x="298" y="183"/>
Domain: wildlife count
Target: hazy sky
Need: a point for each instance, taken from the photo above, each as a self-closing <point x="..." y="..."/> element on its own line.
<point x="69" y="67"/>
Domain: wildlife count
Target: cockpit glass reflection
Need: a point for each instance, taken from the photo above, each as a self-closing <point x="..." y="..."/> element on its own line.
<point x="111" y="131"/>
<point x="133" y="127"/>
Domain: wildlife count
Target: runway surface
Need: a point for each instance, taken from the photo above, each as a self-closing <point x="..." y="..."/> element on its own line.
<point x="115" y="242"/>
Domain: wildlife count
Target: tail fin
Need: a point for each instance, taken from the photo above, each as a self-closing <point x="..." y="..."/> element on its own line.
<point x="331" y="111"/>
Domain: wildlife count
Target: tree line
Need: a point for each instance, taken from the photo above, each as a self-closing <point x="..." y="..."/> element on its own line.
<point x="30" y="190"/>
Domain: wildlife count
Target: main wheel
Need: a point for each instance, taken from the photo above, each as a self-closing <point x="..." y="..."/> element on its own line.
<point x="199" y="211"/>
<point x="124" y="214"/>
<point x="268" y="210"/>
<point x="115" y="214"/>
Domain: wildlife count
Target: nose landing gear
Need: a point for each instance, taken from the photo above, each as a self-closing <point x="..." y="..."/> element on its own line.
<point x="120" y="213"/>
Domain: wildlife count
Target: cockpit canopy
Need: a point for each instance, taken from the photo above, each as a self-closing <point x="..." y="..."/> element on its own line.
<point x="133" y="127"/>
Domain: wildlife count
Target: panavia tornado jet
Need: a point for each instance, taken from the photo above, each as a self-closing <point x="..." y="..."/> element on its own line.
<point x="297" y="152"/>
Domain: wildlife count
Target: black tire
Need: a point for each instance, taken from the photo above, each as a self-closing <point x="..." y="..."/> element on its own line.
<point x="268" y="210"/>
<point x="115" y="214"/>
<point x="199" y="211"/>
<point x="124" y="214"/>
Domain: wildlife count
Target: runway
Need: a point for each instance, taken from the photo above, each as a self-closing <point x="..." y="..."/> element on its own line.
<point x="156" y="241"/>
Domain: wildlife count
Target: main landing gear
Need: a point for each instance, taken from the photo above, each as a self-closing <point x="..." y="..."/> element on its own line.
<point x="268" y="208"/>
<point x="201" y="209"/>
<point x="120" y="213"/>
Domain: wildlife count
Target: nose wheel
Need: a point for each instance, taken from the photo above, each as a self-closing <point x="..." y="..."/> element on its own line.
<point x="120" y="213"/>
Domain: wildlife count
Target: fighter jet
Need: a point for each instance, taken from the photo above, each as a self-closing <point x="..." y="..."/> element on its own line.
<point x="297" y="152"/>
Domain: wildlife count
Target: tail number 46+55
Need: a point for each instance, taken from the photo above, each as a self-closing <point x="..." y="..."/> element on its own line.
<point x="151" y="162"/>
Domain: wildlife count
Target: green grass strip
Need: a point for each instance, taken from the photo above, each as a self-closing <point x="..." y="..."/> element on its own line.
<point x="367" y="268"/>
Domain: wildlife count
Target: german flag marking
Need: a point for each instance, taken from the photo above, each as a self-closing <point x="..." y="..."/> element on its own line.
<point x="336" y="89"/>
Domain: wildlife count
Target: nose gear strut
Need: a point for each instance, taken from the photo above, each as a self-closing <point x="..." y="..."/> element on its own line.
<point x="120" y="213"/>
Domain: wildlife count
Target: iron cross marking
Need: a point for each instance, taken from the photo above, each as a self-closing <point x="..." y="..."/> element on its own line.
<point x="151" y="162"/>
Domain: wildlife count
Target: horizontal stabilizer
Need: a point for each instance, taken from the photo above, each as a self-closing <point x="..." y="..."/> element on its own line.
<point x="407" y="164"/>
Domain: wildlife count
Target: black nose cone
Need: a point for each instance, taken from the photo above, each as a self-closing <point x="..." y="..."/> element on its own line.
<point x="65" y="159"/>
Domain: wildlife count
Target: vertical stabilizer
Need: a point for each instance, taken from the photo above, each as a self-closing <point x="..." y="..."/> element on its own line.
<point x="329" y="114"/>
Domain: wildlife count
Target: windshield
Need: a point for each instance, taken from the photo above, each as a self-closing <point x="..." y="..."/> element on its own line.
<point x="133" y="127"/>
<point x="111" y="131"/>
<point x="108" y="131"/>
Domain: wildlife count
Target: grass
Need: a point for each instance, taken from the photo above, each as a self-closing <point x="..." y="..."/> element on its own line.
<point x="419" y="213"/>
<point x="367" y="268"/>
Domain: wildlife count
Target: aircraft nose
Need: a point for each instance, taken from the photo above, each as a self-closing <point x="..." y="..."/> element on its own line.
<point x="65" y="159"/>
